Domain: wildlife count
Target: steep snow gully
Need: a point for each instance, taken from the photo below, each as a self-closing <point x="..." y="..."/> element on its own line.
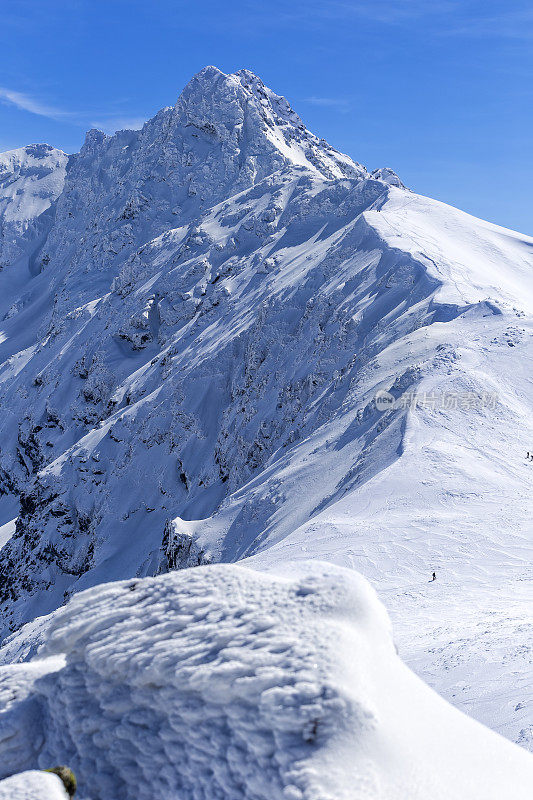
<point x="222" y="340"/>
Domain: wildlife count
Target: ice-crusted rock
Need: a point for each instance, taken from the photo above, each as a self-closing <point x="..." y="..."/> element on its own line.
<point x="179" y="548"/>
<point x="387" y="175"/>
<point x="221" y="682"/>
<point x="67" y="777"/>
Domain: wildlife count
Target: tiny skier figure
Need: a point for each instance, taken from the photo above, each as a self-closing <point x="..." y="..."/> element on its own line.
<point x="433" y="578"/>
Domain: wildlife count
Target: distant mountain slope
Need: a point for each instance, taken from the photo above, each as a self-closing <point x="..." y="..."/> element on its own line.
<point x="189" y="365"/>
<point x="31" y="179"/>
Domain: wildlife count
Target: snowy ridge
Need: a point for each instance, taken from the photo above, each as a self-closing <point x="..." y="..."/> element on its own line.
<point x="221" y="682"/>
<point x="189" y="362"/>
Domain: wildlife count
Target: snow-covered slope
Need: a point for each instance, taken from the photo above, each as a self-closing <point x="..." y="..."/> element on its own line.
<point x="189" y="363"/>
<point x="225" y="682"/>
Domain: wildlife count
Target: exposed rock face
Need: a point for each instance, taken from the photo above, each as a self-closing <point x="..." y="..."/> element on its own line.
<point x="67" y="777"/>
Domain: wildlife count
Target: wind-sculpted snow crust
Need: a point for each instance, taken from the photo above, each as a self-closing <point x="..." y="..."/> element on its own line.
<point x="220" y="683"/>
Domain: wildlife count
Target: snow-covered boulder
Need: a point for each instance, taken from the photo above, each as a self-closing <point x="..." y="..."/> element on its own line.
<point x="222" y="682"/>
<point x="33" y="785"/>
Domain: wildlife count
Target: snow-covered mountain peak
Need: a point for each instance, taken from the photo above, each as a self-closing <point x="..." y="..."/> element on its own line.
<point x="93" y="138"/>
<point x="243" y="114"/>
<point x="279" y="106"/>
<point x="225" y="135"/>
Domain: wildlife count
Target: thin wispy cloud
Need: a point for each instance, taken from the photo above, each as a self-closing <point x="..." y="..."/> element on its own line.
<point x="106" y="122"/>
<point x="25" y="102"/>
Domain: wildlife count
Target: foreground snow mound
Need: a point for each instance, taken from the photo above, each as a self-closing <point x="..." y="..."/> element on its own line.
<point x="221" y="682"/>
<point x="32" y="785"/>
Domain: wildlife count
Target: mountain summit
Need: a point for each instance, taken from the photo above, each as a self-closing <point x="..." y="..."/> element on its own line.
<point x="221" y="339"/>
<point x="255" y="128"/>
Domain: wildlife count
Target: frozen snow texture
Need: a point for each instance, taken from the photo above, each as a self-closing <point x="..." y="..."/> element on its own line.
<point x="221" y="683"/>
<point x="32" y="785"/>
<point x="189" y="356"/>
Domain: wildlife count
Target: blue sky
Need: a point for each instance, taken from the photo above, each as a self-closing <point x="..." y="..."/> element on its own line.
<point x="440" y="90"/>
